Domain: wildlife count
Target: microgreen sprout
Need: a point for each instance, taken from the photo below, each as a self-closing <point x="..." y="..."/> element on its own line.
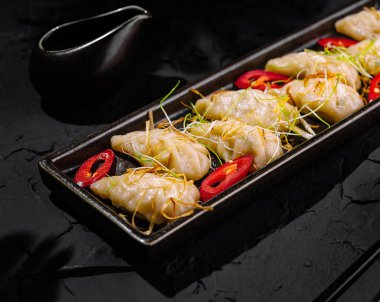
<point x="165" y="98"/>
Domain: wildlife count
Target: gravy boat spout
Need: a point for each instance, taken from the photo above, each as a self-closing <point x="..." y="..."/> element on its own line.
<point x="88" y="58"/>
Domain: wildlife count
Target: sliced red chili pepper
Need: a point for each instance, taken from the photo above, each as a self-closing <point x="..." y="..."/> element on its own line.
<point x="225" y="176"/>
<point x="85" y="177"/>
<point x="334" y="42"/>
<point x="374" y="89"/>
<point x="261" y="79"/>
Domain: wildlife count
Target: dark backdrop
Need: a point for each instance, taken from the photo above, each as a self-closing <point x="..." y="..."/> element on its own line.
<point x="315" y="225"/>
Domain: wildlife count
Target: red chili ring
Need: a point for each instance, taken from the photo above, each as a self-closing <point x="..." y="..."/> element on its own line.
<point x="84" y="177"/>
<point x="225" y="176"/>
<point x="261" y="78"/>
<point x="374" y="89"/>
<point x="336" y="42"/>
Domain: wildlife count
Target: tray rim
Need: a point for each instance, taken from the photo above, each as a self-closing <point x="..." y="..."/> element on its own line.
<point x="47" y="162"/>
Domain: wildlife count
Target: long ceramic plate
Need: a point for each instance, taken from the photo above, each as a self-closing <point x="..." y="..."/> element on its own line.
<point x="59" y="167"/>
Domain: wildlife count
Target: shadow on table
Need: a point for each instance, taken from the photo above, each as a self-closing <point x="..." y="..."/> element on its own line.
<point x="28" y="267"/>
<point x="241" y="229"/>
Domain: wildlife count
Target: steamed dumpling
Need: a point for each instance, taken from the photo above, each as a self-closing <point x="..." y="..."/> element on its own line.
<point x="251" y="106"/>
<point x="360" y="26"/>
<point x="307" y="63"/>
<point x="171" y="148"/>
<point x="367" y="53"/>
<point x="156" y="198"/>
<point x="329" y="98"/>
<point x="232" y="139"/>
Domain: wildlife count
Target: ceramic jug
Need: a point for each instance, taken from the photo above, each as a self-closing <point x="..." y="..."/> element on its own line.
<point x="86" y="59"/>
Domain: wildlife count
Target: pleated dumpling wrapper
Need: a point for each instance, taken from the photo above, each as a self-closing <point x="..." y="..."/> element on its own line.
<point x="231" y="139"/>
<point x="366" y="55"/>
<point x="253" y="107"/>
<point x="306" y="63"/>
<point x="329" y="98"/>
<point x="168" y="147"/>
<point x="155" y="198"/>
<point x="360" y="26"/>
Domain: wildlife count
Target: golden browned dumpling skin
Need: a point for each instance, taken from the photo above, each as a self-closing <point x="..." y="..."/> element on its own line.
<point x="168" y="147"/>
<point x="306" y="63"/>
<point x="231" y="139"/>
<point x="154" y="197"/>
<point x="251" y="106"/>
<point x="360" y="26"/>
<point x="327" y="97"/>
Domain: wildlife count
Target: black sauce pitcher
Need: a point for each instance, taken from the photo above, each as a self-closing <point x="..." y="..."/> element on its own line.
<point x="86" y="59"/>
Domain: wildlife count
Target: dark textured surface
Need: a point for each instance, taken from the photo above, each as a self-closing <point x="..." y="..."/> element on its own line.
<point x="366" y="285"/>
<point x="323" y="218"/>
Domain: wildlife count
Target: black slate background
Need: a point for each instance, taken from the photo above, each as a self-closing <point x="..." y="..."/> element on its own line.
<point x="289" y="244"/>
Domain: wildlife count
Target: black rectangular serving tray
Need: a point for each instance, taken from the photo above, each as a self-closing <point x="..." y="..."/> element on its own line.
<point x="58" y="167"/>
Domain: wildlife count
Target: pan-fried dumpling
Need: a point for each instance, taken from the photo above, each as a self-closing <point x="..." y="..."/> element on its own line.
<point x="360" y="26"/>
<point x="367" y="53"/>
<point x="329" y="98"/>
<point x="306" y="63"/>
<point x="251" y="106"/>
<point x="170" y="147"/>
<point x="232" y="139"/>
<point x="154" y="197"/>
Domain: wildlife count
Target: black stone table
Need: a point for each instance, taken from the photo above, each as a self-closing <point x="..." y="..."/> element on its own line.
<point x="295" y="242"/>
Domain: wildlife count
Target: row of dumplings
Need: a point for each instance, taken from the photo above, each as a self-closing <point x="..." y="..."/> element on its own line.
<point x="324" y="85"/>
